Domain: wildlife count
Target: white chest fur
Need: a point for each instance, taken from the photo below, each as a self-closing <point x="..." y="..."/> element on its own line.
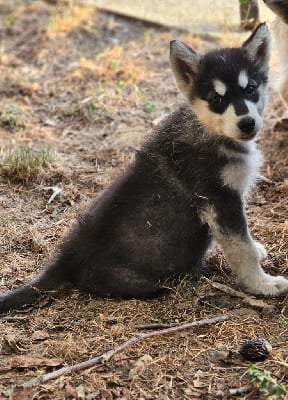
<point x="242" y="171"/>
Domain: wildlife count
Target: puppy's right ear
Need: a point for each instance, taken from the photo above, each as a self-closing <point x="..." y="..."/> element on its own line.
<point x="258" y="47"/>
<point x="184" y="62"/>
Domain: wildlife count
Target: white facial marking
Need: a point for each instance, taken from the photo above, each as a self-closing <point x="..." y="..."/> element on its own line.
<point x="219" y="87"/>
<point x="230" y="122"/>
<point x="243" y="79"/>
<point x="253" y="112"/>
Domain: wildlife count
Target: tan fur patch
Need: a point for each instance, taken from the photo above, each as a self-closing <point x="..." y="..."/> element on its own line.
<point x="213" y="122"/>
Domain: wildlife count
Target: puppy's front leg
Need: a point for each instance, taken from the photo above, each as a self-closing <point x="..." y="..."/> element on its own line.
<point x="229" y="228"/>
<point x="262" y="253"/>
<point x="244" y="260"/>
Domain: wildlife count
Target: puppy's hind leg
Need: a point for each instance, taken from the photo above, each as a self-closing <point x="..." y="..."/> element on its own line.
<point x="123" y="282"/>
<point x="138" y="289"/>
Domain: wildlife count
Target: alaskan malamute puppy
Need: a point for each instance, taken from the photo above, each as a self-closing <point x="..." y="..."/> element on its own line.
<point x="187" y="186"/>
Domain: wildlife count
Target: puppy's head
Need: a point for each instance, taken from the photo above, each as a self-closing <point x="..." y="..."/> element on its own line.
<point x="225" y="87"/>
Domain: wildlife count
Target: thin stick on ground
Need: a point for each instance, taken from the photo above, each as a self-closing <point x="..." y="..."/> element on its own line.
<point x="154" y="326"/>
<point x="249" y="300"/>
<point x="105" y="357"/>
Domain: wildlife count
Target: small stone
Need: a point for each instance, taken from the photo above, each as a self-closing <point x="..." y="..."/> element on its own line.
<point x="268" y="310"/>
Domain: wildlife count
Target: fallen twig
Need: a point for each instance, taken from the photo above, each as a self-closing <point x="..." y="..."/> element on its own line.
<point x="105" y="357"/>
<point x="226" y="289"/>
<point x="284" y="364"/>
<point x="249" y="300"/>
<point x="154" y="326"/>
<point x="11" y="318"/>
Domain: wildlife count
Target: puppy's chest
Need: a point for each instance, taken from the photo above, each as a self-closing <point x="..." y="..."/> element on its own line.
<point x="240" y="173"/>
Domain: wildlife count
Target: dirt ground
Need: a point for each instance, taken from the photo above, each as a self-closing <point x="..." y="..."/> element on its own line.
<point x="80" y="91"/>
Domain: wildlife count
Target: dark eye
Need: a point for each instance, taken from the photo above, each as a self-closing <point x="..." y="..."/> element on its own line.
<point x="216" y="100"/>
<point x="250" y="90"/>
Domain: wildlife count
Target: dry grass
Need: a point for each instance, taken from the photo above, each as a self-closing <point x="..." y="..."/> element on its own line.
<point x="67" y="19"/>
<point x="10" y="117"/>
<point x="90" y="87"/>
<point x="23" y="164"/>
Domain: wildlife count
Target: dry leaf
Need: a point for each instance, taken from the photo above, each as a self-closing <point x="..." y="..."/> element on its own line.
<point x="197" y="383"/>
<point x="30" y="362"/>
<point x="40" y="335"/>
<point x="12" y="344"/>
<point x="140" y="365"/>
<point x="70" y="391"/>
<point x="254" y="302"/>
<point x="80" y="392"/>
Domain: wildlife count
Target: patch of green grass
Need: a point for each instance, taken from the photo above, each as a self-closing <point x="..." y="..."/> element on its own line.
<point x="121" y="84"/>
<point x="264" y="381"/>
<point x="8" y="20"/>
<point x="7" y="226"/>
<point x="7" y="223"/>
<point x="91" y="110"/>
<point x="10" y="117"/>
<point x="114" y="64"/>
<point x="23" y="164"/>
<point x="149" y="108"/>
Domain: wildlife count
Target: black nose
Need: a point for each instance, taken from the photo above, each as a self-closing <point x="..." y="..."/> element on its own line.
<point x="246" y="125"/>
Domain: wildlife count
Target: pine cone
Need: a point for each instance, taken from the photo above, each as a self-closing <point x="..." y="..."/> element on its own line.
<point x="255" y="349"/>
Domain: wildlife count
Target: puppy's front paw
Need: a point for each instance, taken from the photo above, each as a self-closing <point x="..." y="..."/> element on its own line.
<point x="262" y="253"/>
<point x="268" y="285"/>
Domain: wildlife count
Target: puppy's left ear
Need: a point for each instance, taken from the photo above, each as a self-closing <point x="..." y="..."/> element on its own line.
<point x="258" y="47"/>
<point x="185" y="63"/>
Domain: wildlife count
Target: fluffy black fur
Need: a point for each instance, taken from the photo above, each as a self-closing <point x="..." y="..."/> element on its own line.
<point x="146" y="227"/>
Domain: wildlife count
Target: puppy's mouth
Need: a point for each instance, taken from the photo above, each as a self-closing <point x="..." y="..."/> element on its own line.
<point x="247" y="136"/>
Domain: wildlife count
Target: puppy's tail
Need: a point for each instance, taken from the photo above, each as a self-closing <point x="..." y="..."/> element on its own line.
<point x="50" y="278"/>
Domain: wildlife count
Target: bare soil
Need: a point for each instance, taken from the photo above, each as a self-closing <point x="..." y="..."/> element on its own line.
<point x="89" y="87"/>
